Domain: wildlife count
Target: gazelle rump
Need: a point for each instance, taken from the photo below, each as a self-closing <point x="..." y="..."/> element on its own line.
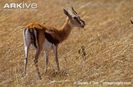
<point x="47" y="38"/>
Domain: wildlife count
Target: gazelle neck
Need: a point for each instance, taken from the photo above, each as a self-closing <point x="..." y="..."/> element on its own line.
<point x="66" y="29"/>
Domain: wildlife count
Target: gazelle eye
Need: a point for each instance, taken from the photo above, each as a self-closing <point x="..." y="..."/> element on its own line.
<point x="75" y="17"/>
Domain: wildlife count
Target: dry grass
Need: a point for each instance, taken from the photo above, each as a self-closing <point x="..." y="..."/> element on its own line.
<point x="107" y="38"/>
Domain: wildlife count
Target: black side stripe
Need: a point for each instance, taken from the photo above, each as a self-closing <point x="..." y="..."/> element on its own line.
<point x="51" y="39"/>
<point x="33" y="37"/>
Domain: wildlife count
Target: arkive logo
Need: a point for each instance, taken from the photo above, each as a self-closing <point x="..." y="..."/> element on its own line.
<point x="21" y="5"/>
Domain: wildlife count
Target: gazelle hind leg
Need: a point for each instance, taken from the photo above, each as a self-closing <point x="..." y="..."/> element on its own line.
<point x="27" y="42"/>
<point x="26" y="58"/>
<point x="36" y="62"/>
<point x="39" y="41"/>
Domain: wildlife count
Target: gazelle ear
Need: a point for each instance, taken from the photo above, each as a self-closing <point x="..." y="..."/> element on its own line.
<point x="66" y="13"/>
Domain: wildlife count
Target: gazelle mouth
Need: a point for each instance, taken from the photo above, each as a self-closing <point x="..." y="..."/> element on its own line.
<point x="82" y="26"/>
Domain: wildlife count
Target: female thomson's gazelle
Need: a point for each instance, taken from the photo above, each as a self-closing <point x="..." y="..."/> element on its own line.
<point x="49" y="37"/>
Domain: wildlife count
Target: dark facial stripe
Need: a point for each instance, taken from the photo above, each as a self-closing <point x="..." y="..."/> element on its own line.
<point x="51" y="39"/>
<point x="77" y="20"/>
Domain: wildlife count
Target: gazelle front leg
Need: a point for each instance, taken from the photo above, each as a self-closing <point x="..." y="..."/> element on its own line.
<point x="56" y="56"/>
<point x="47" y="47"/>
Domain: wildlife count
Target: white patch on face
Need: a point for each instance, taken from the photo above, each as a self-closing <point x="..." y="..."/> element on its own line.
<point x="47" y="45"/>
<point x="82" y="24"/>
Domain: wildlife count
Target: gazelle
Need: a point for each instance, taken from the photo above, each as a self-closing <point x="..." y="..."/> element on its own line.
<point x="49" y="37"/>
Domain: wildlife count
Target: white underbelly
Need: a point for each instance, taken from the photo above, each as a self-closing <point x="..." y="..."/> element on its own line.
<point x="47" y="45"/>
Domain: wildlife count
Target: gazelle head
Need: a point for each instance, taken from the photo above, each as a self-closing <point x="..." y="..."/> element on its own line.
<point x="74" y="18"/>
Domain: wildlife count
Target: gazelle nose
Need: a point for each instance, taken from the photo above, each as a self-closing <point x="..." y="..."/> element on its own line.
<point x="82" y="24"/>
